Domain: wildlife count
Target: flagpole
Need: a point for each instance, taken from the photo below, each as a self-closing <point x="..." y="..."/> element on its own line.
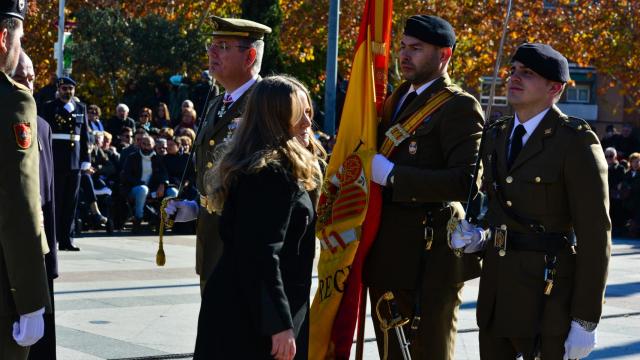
<point x="332" y="69"/>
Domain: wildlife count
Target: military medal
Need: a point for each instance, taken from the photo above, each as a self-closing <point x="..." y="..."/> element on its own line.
<point x="413" y="147"/>
<point x="233" y="125"/>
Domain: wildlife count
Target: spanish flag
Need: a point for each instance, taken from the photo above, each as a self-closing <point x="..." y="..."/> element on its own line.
<point x="349" y="207"/>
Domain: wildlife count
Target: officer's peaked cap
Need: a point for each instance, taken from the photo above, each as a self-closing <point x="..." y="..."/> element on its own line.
<point x="239" y="28"/>
<point x="544" y="60"/>
<point x="65" y="80"/>
<point x="431" y="29"/>
<point x="13" y="9"/>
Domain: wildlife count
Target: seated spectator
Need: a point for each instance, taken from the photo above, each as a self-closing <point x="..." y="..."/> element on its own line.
<point x="166" y="133"/>
<point x="94" y="113"/>
<point x="175" y="163"/>
<point x="628" y="142"/>
<point x="617" y="192"/>
<point x="185" y="143"/>
<point x="144" y="119"/>
<point x="133" y="148"/>
<point x="161" y="146"/>
<point x="632" y="181"/>
<point x="186" y="105"/>
<point x="188" y="133"/>
<point x="108" y="147"/>
<point x="120" y="120"/>
<point x="125" y="139"/>
<point x="188" y="121"/>
<point x="144" y="175"/>
<point x="162" y="119"/>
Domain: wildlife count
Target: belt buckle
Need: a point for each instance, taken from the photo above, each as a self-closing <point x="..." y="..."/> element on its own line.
<point x="500" y="239"/>
<point x="397" y="140"/>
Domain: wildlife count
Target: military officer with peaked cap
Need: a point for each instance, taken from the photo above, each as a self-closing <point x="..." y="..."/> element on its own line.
<point x="235" y="56"/>
<point x="24" y="293"/>
<point x="548" y="229"/>
<point x="69" y="125"/>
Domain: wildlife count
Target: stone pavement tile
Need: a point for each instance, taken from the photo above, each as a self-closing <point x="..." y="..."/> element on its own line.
<point x="64" y="353"/>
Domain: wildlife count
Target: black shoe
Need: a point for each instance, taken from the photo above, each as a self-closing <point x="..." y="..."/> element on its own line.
<point x="137" y="226"/>
<point x="69" y="248"/>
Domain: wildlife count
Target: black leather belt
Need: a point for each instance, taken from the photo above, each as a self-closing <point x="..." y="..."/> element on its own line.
<point x="549" y="243"/>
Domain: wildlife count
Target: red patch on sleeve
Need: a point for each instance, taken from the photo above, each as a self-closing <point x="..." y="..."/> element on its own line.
<point x="23" y="135"/>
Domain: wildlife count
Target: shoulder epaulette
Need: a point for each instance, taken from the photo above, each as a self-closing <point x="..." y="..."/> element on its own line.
<point x="576" y="123"/>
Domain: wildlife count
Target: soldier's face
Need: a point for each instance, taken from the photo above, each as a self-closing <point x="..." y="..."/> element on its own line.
<point x="66" y="92"/>
<point x="230" y="60"/>
<point x="421" y="62"/>
<point x="10" y="48"/>
<point x="526" y="87"/>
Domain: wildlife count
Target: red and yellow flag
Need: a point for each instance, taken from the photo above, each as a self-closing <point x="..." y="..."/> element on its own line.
<point x="349" y="208"/>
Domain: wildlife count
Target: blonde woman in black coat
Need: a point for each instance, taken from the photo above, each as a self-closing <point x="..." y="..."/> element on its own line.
<point x="256" y="303"/>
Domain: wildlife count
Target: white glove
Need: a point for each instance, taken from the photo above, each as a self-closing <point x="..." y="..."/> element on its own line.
<point x="185" y="210"/>
<point x="29" y="329"/>
<point x="468" y="236"/>
<point x="579" y="343"/>
<point x="380" y="169"/>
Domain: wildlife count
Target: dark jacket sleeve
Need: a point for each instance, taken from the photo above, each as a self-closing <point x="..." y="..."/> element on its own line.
<point x="84" y="135"/>
<point x="460" y="130"/>
<point x="131" y="172"/>
<point x="266" y="199"/>
<point x="586" y="173"/>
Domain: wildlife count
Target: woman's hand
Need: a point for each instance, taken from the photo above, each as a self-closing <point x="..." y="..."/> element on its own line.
<point x="283" y="345"/>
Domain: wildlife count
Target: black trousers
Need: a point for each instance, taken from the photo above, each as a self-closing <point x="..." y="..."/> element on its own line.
<point x="45" y="348"/>
<point x="67" y="188"/>
<point x="503" y="348"/>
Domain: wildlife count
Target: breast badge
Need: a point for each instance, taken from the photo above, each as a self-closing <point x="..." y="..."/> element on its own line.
<point x="413" y="147"/>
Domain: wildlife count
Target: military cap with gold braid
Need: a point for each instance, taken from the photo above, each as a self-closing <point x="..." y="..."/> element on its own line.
<point x="239" y="28"/>
<point x="13" y="9"/>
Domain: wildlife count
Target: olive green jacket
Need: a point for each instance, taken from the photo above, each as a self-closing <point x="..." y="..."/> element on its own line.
<point x="23" y="279"/>
<point x="434" y="165"/>
<point x="559" y="180"/>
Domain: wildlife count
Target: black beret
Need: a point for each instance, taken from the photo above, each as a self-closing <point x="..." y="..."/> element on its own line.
<point x="544" y="60"/>
<point x="13" y="9"/>
<point x="65" y="80"/>
<point x="431" y="29"/>
<point x="238" y="28"/>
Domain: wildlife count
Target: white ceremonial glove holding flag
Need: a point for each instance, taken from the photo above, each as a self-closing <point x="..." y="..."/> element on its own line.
<point x="29" y="329"/>
<point x="185" y="210"/>
<point x="580" y="342"/>
<point x="468" y="236"/>
<point x="380" y="169"/>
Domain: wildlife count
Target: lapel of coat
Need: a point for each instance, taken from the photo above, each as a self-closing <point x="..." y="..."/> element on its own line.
<point x="419" y="102"/>
<point x="501" y="143"/>
<point x="392" y="103"/>
<point x="535" y="144"/>
<point x="207" y="128"/>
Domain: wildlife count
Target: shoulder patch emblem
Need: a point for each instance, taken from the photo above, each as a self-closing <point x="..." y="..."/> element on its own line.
<point x="23" y="135"/>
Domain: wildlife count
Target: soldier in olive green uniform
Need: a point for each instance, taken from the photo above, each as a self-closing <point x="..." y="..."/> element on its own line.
<point x="425" y="179"/>
<point x="235" y="56"/>
<point x="23" y="281"/>
<point x="549" y="233"/>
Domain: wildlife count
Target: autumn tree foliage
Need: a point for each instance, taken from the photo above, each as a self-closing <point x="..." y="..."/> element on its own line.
<point x="600" y="33"/>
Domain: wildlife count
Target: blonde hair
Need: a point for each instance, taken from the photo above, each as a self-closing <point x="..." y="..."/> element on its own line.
<point x="263" y="138"/>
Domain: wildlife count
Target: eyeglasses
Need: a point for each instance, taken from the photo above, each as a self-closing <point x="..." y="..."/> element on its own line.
<point x="223" y="46"/>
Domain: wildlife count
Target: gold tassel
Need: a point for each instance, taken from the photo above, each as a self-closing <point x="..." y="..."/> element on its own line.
<point x="161" y="259"/>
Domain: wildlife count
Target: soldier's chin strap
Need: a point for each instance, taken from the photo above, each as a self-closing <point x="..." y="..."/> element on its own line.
<point x="168" y="221"/>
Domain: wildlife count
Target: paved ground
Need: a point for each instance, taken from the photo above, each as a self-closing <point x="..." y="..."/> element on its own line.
<point x="113" y="302"/>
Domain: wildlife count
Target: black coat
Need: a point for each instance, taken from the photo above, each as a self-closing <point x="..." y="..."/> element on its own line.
<point x="131" y="174"/>
<point x="261" y="284"/>
<point x="47" y="196"/>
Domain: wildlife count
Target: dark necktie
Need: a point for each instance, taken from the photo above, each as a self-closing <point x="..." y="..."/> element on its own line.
<point x="516" y="144"/>
<point x="412" y="95"/>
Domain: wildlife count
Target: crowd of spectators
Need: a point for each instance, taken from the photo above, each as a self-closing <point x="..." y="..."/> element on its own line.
<point x="622" y="151"/>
